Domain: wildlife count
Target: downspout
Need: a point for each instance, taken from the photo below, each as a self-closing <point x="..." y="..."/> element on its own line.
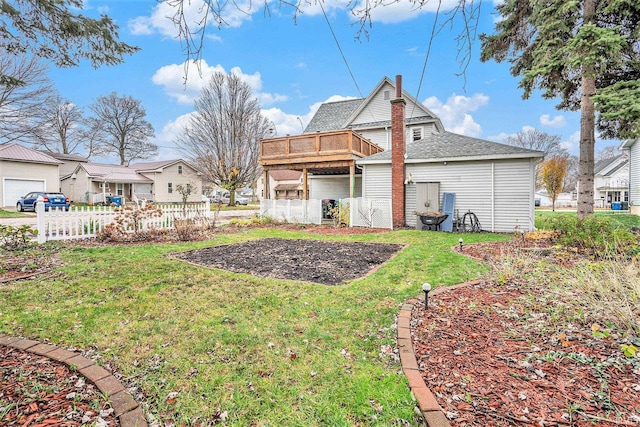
<point x="493" y="197"/>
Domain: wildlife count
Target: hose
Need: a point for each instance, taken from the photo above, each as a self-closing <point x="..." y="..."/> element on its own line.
<point x="470" y="223"/>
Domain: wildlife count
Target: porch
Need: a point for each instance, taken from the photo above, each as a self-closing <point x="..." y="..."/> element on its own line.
<point x="321" y="153"/>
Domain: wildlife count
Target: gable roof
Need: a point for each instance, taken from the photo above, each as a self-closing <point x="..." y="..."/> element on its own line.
<point x="285" y="175"/>
<point x="448" y="146"/>
<point x="69" y="157"/>
<point x="341" y="114"/>
<point x="16" y="152"/>
<point x="152" y="166"/>
<point x="112" y="173"/>
<point x="427" y="115"/>
<point x="610" y="166"/>
<point x="332" y="115"/>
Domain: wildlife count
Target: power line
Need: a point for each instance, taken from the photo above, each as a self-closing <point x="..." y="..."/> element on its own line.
<point x="426" y="59"/>
<point x="344" y="58"/>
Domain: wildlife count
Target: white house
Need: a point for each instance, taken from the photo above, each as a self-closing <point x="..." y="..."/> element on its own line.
<point x="389" y="146"/>
<point x="611" y="181"/>
<point x="154" y="181"/>
<point x="632" y="147"/>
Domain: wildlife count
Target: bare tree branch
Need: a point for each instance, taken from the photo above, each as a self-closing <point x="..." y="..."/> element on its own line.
<point x="121" y="129"/>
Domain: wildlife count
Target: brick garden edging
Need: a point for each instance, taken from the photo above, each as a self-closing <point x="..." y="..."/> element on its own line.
<point x="127" y="411"/>
<point x="429" y="407"/>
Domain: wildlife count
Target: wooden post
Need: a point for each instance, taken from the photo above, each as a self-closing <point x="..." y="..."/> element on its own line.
<point x="352" y="181"/>
<point x="265" y="185"/>
<point x="305" y="184"/>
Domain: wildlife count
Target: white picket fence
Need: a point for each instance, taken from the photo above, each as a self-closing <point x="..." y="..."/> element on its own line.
<point x="88" y="222"/>
<point x="373" y="213"/>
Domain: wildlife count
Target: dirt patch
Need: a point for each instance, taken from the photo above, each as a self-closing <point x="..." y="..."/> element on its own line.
<point x="329" y="263"/>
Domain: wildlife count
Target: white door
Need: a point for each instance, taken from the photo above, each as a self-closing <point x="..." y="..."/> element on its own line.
<point x="13" y="189"/>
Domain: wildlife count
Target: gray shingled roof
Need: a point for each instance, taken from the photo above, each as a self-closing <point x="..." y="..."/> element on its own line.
<point x="605" y="163"/>
<point x="332" y="115"/>
<point x="451" y="146"/>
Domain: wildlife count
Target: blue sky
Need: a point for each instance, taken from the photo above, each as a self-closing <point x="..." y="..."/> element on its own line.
<point x="292" y="67"/>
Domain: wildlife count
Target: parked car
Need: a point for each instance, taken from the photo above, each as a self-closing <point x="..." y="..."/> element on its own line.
<point x="50" y="200"/>
<point x="240" y="200"/>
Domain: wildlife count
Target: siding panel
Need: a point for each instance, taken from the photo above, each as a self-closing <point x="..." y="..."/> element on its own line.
<point x="376" y="182"/>
<point x="634" y="178"/>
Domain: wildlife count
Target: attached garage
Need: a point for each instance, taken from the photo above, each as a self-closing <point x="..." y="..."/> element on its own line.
<point x="23" y="170"/>
<point x="14" y="188"/>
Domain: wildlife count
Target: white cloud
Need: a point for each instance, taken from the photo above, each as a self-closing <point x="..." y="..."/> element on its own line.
<point x="293" y="124"/>
<point x="572" y="143"/>
<point x="161" y="18"/>
<point x="172" y="79"/>
<point x="454" y="113"/>
<point x="502" y="136"/>
<point x="555" y="122"/>
<point x="382" y="12"/>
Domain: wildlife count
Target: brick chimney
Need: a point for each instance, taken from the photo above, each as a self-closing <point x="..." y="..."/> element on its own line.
<point x="397" y="156"/>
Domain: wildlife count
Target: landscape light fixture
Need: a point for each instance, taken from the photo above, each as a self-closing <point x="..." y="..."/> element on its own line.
<point x="460" y="243"/>
<point x="426" y="288"/>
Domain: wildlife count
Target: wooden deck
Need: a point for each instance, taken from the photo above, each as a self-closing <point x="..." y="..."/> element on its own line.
<point x="318" y="151"/>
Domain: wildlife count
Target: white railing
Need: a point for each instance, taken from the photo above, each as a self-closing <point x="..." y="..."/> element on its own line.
<point x="373" y="213"/>
<point x="88" y="222"/>
<point x="296" y="211"/>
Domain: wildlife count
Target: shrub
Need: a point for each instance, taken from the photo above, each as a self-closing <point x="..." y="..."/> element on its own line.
<point x="597" y="235"/>
<point x="16" y="238"/>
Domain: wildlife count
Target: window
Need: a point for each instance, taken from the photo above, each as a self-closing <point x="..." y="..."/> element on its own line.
<point x="170" y="187"/>
<point x="387" y="95"/>
<point x="120" y="189"/>
<point x="180" y="169"/>
<point x="189" y="188"/>
<point x="417" y="133"/>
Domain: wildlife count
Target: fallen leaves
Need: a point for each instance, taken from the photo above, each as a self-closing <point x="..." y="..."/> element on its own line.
<point x="489" y="367"/>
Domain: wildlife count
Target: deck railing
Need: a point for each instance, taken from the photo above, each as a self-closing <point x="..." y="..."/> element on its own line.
<point x="344" y="142"/>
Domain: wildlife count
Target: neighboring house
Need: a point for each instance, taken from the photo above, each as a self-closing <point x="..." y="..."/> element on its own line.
<point x="283" y="185"/>
<point x="611" y="181"/>
<point x="564" y="200"/>
<point x="153" y="181"/>
<point x="23" y="170"/>
<point x="632" y="148"/>
<point x="421" y="161"/>
<point x="69" y="162"/>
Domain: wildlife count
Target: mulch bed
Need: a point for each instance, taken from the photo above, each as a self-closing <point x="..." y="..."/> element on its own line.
<point x="483" y="351"/>
<point x="325" y="262"/>
<point x="36" y="391"/>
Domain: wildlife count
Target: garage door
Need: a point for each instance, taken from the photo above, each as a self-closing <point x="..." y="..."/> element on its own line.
<point x="16" y="188"/>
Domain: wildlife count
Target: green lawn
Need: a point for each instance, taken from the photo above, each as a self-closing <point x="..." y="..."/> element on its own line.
<point x="264" y="352"/>
<point x="10" y="214"/>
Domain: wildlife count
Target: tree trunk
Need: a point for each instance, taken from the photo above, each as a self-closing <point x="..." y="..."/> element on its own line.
<point x="587" y="129"/>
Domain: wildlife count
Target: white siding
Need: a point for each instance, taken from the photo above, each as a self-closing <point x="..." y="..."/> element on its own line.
<point x="376" y="181"/>
<point x="332" y="187"/>
<point x="379" y="109"/>
<point x="381" y="137"/>
<point x="634" y="175"/>
<point x="514" y="196"/>
<point x="500" y="193"/>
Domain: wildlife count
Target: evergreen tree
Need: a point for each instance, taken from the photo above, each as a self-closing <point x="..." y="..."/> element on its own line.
<point x="587" y="53"/>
